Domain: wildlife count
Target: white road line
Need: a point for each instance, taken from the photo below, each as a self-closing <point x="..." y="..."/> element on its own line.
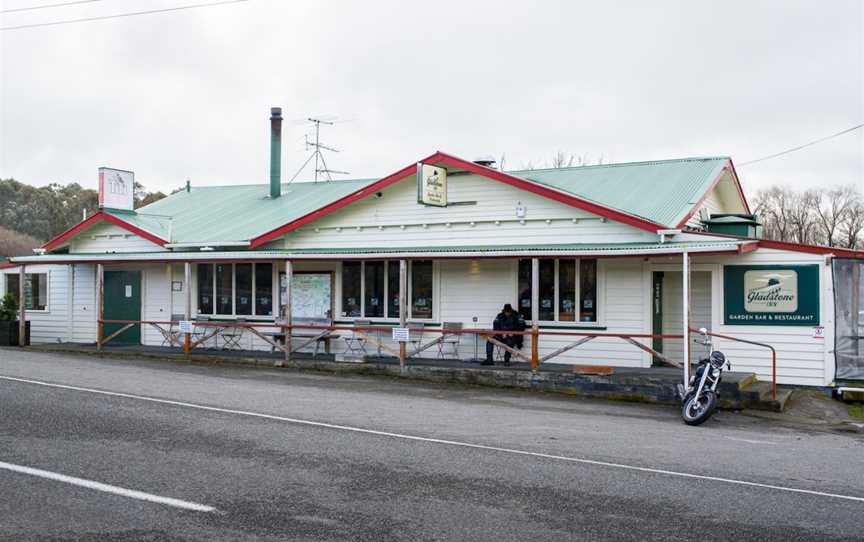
<point x="107" y="488"/>
<point x="440" y="441"/>
<point x="751" y="441"/>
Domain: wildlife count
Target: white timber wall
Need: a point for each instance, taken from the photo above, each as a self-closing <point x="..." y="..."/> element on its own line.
<point x="481" y="212"/>
<point x="52" y="324"/>
<point x="724" y="198"/>
<point x="802" y="359"/>
<point x="105" y="237"/>
<point x="673" y="310"/>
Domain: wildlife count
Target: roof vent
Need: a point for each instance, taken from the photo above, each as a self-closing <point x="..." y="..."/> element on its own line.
<point x="485" y="161"/>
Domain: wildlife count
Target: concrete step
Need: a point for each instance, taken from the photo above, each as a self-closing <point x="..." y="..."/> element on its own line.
<point x="757" y="395"/>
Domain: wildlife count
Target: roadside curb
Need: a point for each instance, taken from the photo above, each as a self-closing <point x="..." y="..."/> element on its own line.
<point x="616" y="387"/>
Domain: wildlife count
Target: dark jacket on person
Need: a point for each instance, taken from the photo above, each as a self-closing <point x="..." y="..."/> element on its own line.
<point x="512" y="322"/>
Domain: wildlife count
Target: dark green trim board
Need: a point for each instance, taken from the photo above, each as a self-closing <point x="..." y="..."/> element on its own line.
<point x="657" y="311"/>
<point x="771" y="295"/>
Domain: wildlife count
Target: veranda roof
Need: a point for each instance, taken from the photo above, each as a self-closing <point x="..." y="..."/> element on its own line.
<point x="477" y="251"/>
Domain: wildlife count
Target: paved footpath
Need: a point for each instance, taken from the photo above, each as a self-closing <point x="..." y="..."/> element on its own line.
<point x="109" y="449"/>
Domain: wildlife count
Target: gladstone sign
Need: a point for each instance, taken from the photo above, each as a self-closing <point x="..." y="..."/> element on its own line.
<point x="431" y="185"/>
<point x="771" y="295"/>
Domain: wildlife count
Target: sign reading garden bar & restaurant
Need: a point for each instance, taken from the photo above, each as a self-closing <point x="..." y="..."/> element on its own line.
<point x="431" y="185"/>
<point x="771" y="295"/>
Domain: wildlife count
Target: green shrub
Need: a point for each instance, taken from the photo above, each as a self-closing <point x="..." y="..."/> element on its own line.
<point x="8" y="308"/>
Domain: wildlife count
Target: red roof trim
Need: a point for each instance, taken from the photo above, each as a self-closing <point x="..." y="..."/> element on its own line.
<point x="730" y="167"/>
<point x="740" y="189"/>
<point x="101" y="216"/>
<point x="443" y="158"/>
<point x="786" y="245"/>
<point x="811" y="249"/>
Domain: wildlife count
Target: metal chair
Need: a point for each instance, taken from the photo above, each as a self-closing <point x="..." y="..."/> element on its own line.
<point x="451" y="339"/>
<point x="415" y="335"/>
<point x="232" y="335"/>
<point x="173" y="330"/>
<point x="201" y="330"/>
<point x="356" y="342"/>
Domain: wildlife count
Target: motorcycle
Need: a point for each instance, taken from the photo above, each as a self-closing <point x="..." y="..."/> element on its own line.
<point x="700" y="398"/>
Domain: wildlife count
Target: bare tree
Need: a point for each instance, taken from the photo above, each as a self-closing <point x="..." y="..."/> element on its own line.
<point x="832" y="217"/>
<point x="832" y="208"/>
<point x="801" y="216"/>
<point x="561" y="159"/>
<point x="853" y="225"/>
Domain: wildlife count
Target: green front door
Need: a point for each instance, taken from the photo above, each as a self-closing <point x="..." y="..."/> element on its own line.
<point x="122" y="301"/>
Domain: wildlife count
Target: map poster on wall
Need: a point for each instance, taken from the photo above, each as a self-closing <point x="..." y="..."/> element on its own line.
<point x="311" y="295"/>
<point x="771" y="295"/>
<point x="431" y="185"/>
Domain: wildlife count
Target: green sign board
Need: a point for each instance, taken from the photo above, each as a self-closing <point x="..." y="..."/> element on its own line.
<point x="771" y="295"/>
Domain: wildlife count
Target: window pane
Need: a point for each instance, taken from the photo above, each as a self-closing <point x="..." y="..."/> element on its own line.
<point x="351" y="289"/>
<point x="205" y="288"/>
<point x="567" y="290"/>
<point x="393" y="289"/>
<point x="264" y="289"/>
<point x="12" y="283"/>
<point x="588" y="290"/>
<point x="243" y="289"/>
<point x="547" y="289"/>
<point x="37" y="291"/>
<point x="525" y="288"/>
<point x="223" y="288"/>
<point x="374" y="289"/>
<point x="421" y="289"/>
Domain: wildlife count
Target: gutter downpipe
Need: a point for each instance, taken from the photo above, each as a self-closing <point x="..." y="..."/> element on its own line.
<point x="685" y="294"/>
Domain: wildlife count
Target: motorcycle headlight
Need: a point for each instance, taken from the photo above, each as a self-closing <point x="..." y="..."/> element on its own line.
<point x="717" y="359"/>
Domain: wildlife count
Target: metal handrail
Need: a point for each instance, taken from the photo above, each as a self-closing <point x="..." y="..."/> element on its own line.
<point x="754" y="343"/>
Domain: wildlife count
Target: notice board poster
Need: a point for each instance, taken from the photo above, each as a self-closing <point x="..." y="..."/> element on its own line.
<point x="771" y="295"/>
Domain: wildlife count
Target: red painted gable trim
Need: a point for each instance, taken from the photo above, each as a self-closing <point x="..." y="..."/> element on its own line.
<point x="811" y="249"/>
<point x="101" y="216"/>
<point x="730" y="167"/>
<point x="552" y="194"/>
<point x="446" y="159"/>
<point x="786" y="245"/>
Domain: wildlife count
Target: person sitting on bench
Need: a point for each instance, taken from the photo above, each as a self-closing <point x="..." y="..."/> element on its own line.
<point x="507" y="320"/>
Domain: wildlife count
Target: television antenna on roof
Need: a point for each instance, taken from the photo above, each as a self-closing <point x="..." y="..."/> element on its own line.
<point x="317" y="147"/>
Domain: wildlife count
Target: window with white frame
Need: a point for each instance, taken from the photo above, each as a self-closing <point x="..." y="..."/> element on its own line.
<point x="567" y="290"/>
<point x="35" y="290"/>
<point x="370" y="289"/>
<point x="235" y="289"/>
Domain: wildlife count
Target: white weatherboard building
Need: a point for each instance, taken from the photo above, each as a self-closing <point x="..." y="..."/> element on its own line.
<point x="593" y="249"/>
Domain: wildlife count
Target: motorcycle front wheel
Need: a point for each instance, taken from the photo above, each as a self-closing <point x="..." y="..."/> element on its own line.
<point x="696" y="412"/>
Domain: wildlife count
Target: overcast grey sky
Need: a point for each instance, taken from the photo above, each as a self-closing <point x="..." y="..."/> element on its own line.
<point x="187" y="94"/>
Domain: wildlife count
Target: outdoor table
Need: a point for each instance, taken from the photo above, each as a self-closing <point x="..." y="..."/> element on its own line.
<point x="279" y="336"/>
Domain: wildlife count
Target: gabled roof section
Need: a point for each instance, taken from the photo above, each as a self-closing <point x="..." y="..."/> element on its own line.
<point x="646" y="195"/>
<point x="213" y="214"/>
<point x="443" y="159"/>
<point x="665" y="192"/>
<point x="150" y="228"/>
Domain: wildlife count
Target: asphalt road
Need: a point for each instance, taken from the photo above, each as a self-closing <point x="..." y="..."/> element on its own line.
<point x="280" y="455"/>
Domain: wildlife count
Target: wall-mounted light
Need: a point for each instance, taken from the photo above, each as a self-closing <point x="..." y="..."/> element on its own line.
<point x="521" y="210"/>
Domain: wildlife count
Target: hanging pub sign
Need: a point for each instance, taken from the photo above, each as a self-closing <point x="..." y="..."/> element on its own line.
<point x="771" y="295"/>
<point x="431" y="185"/>
<point x="116" y="189"/>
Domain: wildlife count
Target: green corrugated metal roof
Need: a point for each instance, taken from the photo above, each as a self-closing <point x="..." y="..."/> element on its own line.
<point x="568" y="247"/>
<point x="595" y="249"/>
<point x="662" y="191"/>
<point x="209" y="214"/>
